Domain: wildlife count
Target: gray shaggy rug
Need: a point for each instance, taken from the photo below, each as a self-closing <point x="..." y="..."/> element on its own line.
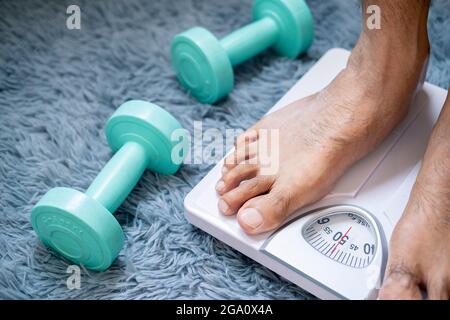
<point x="59" y="86"/>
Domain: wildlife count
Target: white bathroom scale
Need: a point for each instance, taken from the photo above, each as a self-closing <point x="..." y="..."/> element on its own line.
<point x="337" y="247"/>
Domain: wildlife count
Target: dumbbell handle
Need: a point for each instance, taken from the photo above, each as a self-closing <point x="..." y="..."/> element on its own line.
<point x="250" y="40"/>
<point x="119" y="176"/>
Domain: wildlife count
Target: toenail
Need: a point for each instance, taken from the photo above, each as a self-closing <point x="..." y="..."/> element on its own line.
<point x="220" y="185"/>
<point x="224" y="170"/>
<point x="223" y="206"/>
<point x="251" y="217"/>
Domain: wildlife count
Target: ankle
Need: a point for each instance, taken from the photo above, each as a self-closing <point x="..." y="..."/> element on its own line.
<point x="402" y="36"/>
<point x="380" y="62"/>
<point x="387" y="79"/>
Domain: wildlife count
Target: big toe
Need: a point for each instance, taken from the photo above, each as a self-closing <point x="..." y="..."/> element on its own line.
<point x="264" y="213"/>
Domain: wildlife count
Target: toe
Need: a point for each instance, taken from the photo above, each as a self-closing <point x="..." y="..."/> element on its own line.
<point x="248" y="136"/>
<point x="242" y="154"/>
<point x="400" y="283"/>
<point x="246" y="147"/>
<point x="233" y="177"/>
<point x="246" y="152"/>
<point x="264" y="213"/>
<point x="232" y="201"/>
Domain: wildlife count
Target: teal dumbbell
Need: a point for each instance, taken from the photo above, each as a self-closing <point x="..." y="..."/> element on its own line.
<point x="204" y="64"/>
<point x="80" y="226"/>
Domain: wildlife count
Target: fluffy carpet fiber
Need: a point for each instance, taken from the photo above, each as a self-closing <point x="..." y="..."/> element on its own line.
<point x="59" y="86"/>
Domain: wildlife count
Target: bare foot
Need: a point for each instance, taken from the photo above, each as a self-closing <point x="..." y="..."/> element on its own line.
<point x="320" y="136"/>
<point x="419" y="255"/>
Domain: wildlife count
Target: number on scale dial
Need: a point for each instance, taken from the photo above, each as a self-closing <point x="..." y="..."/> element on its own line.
<point x="345" y="237"/>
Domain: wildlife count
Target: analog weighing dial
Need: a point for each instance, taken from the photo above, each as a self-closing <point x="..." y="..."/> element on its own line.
<point x="344" y="236"/>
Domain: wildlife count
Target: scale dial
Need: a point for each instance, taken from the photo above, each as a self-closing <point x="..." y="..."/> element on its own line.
<point x="344" y="236"/>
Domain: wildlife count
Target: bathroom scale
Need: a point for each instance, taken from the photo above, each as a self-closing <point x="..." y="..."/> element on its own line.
<point x="337" y="247"/>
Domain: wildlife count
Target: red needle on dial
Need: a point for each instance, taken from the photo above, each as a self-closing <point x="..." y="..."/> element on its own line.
<point x="337" y="243"/>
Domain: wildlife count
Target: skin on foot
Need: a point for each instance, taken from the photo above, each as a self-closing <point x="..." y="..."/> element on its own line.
<point x="320" y="137"/>
<point x="419" y="253"/>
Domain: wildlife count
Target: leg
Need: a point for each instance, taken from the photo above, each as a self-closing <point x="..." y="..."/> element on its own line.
<point x="321" y="136"/>
<point x="419" y="254"/>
